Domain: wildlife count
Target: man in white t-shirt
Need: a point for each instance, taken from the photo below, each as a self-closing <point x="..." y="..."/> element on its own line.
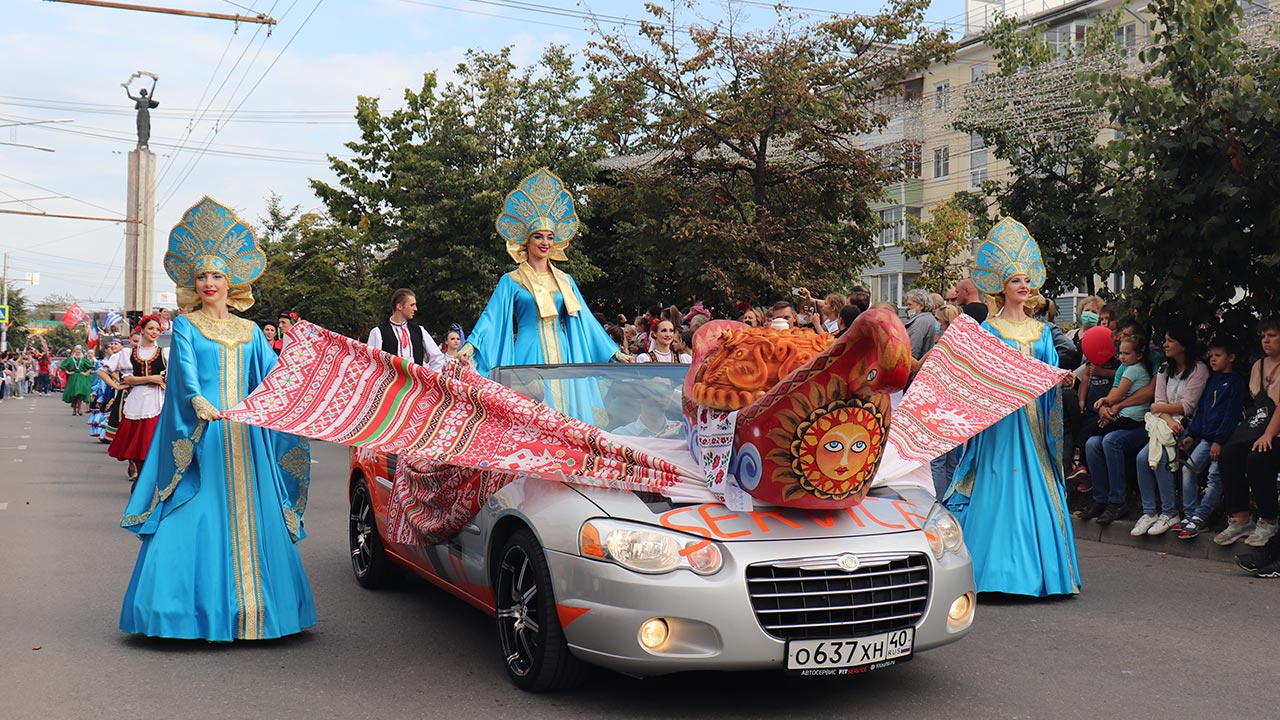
<point x="399" y="335"/>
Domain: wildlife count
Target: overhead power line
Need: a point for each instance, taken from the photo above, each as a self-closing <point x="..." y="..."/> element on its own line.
<point x="260" y="18"/>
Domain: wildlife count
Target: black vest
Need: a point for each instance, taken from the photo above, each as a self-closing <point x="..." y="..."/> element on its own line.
<point x="391" y="343"/>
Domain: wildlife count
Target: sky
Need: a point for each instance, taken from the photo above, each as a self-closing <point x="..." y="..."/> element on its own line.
<point x="242" y="113"/>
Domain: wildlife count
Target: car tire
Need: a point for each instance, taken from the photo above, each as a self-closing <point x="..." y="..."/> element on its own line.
<point x="534" y="650"/>
<point x="369" y="561"/>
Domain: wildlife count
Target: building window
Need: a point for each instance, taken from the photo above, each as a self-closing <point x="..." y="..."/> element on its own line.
<point x="911" y="159"/>
<point x="977" y="72"/>
<point x="941" y="162"/>
<point x="942" y="95"/>
<point x="1127" y="38"/>
<point x="891" y="230"/>
<point x="977" y="161"/>
<point x="889" y="288"/>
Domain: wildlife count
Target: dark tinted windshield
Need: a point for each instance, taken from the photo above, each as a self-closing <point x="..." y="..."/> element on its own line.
<point x="641" y="400"/>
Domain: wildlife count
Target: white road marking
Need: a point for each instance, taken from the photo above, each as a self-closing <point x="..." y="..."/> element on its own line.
<point x="14" y="447"/>
<point x="4" y="506"/>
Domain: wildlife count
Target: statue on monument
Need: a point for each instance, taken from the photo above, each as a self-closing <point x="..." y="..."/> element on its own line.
<point x="143" y="103"/>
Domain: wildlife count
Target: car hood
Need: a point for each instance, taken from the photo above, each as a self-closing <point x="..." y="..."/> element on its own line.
<point x="887" y="510"/>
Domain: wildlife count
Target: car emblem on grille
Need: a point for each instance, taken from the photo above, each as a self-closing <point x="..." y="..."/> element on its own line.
<point x="848" y="562"/>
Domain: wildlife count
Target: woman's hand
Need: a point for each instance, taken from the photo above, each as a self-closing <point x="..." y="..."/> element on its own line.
<point x="1262" y="444"/>
<point x="1173" y="424"/>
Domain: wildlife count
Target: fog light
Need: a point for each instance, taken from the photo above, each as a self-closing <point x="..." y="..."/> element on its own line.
<point x="653" y="632"/>
<point x="961" y="612"/>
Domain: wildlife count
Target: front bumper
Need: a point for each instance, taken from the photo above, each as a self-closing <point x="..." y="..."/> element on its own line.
<point x="712" y="623"/>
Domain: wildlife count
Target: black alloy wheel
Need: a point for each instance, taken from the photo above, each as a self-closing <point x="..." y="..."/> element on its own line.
<point x="534" y="649"/>
<point x="369" y="561"/>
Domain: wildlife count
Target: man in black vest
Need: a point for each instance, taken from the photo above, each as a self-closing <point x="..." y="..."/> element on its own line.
<point x="401" y="336"/>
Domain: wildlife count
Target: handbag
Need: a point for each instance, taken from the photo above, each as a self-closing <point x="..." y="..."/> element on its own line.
<point x="1257" y="414"/>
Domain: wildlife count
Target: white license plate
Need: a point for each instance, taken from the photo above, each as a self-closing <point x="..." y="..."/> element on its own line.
<point x="849" y="657"/>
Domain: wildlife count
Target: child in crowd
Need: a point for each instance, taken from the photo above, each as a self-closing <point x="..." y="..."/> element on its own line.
<point x="1117" y="426"/>
<point x="1219" y="413"/>
<point x="1251" y="458"/>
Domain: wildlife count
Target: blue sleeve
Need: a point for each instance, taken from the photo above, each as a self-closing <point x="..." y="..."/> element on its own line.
<point x="599" y="346"/>
<point x="290" y="454"/>
<point x="493" y="336"/>
<point x="1233" y="410"/>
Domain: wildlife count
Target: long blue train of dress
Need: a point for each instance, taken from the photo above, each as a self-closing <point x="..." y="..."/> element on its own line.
<point x="510" y="331"/>
<point x="1007" y="491"/>
<point x="218" y="505"/>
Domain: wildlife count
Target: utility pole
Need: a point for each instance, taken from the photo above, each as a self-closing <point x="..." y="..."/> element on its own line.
<point x="4" y="327"/>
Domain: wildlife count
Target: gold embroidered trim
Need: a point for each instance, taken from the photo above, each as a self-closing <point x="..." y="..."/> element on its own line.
<point x="297" y="462"/>
<point x="183" y="453"/>
<point x="1023" y="333"/>
<point x="228" y="333"/>
<point x="205" y="410"/>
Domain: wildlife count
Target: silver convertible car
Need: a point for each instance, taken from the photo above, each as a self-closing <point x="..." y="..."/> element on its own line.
<point x="644" y="585"/>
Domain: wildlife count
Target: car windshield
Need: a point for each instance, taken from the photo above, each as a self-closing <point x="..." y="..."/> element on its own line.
<point x="640" y="400"/>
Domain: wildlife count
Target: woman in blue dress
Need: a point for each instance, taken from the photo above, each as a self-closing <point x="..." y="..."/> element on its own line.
<point x="536" y="315"/>
<point x="1007" y="491"/>
<point x="218" y="505"/>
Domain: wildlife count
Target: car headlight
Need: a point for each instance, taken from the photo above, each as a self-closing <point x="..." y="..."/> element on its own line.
<point x="943" y="531"/>
<point x="647" y="549"/>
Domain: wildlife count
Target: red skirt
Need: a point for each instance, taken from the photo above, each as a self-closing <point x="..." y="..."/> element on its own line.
<point x="133" y="438"/>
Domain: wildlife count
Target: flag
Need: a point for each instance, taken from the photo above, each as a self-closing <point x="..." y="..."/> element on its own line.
<point x="111" y="320"/>
<point x="74" y="316"/>
<point x="93" y="334"/>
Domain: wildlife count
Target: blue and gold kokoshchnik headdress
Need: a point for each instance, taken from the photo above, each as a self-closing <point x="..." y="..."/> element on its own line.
<point x="211" y="238"/>
<point x="539" y="203"/>
<point x="1009" y="250"/>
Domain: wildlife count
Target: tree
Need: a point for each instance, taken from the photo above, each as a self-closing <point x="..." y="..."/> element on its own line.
<point x="754" y="139"/>
<point x="53" y="306"/>
<point x="428" y="181"/>
<point x="1038" y="115"/>
<point x="1198" y="171"/>
<point x="937" y="243"/>
<point x="19" y="316"/>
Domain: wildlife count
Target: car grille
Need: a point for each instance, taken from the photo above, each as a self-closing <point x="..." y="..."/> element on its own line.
<point x="816" y="598"/>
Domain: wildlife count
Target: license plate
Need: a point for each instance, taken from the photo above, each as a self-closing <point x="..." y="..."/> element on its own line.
<point x="849" y="657"/>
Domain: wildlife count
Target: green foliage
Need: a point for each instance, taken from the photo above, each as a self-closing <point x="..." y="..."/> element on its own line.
<point x="19" y="315"/>
<point x="428" y="180"/>
<point x="61" y="340"/>
<point x="936" y="243"/>
<point x="319" y="269"/>
<point x="1198" y="171"/>
<point x="754" y="180"/>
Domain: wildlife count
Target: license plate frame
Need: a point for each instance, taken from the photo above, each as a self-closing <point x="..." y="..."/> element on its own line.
<point x="850" y="656"/>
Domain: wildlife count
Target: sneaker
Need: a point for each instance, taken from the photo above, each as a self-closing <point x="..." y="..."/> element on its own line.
<point x="1114" y="512"/>
<point x="1085" y="485"/>
<point x="1078" y="473"/>
<point x="1094" y="511"/>
<point x="1144" y="524"/>
<point x="1262" y="532"/>
<point x="1163" y="524"/>
<point x="1191" y="528"/>
<point x="1233" y="532"/>
<point x="1270" y="570"/>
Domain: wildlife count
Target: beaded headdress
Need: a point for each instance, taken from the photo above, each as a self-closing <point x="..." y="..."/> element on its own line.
<point x="539" y="203"/>
<point x="211" y="238"/>
<point x="1009" y="250"/>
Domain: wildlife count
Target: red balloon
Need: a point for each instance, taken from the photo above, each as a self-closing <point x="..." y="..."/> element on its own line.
<point x="1097" y="345"/>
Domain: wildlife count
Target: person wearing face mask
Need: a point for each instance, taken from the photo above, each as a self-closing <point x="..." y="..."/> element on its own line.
<point x="921" y="325"/>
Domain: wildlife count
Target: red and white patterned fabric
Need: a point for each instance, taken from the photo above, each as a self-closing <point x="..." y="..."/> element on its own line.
<point x="330" y="387"/>
<point x="969" y="381"/>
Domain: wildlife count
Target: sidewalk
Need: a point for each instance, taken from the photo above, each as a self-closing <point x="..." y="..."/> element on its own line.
<point x="1117" y="533"/>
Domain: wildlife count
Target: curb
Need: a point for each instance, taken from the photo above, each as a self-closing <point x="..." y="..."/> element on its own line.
<point x="1117" y="533"/>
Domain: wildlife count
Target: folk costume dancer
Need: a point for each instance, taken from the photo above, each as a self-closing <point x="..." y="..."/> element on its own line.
<point x="1007" y="491"/>
<point x="218" y="505"/>
<point x="79" y="387"/>
<point x="402" y="337"/>
<point x="143" y="370"/>
<point x="537" y="315"/>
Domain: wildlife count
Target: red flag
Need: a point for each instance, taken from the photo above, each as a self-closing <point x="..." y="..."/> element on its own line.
<point x="74" y="316"/>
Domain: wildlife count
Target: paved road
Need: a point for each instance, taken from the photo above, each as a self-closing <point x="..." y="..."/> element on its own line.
<point x="1151" y="636"/>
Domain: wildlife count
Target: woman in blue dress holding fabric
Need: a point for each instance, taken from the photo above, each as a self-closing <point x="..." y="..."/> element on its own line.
<point x="218" y="505"/>
<point x="536" y="315"/>
<point x="1007" y="491"/>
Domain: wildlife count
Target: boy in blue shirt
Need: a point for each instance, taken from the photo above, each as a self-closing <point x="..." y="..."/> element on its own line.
<point x="1221" y="407"/>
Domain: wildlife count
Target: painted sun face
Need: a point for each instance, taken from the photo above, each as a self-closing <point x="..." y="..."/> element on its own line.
<point x="840" y="450"/>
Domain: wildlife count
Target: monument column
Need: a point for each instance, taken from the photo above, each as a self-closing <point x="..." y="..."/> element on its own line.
<point x="139" y="236"/>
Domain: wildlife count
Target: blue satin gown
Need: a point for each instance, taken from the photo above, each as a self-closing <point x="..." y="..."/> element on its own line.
<point x="218" y="505"/>
<point x="1007" y="491"/>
